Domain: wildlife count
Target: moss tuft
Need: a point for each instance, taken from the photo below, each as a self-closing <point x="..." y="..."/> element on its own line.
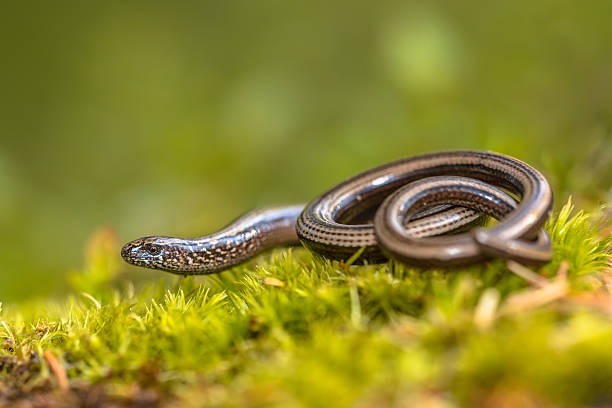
<point x="295" y="330"/>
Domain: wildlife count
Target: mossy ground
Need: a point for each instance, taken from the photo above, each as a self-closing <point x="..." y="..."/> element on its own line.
<point x="295" y="330"/>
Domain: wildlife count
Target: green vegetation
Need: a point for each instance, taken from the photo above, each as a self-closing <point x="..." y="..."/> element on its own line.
<point x="132" y="118"/>
<point x="174" y="118"/>
<point x="294" y="330"/>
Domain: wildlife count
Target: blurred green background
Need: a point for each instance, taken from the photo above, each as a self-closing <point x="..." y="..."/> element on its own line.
<point x="173" y="118"/>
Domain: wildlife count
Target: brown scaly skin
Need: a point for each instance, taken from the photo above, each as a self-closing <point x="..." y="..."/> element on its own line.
<point x="257" y="231"/>
<point x="188" y="256"/>
<point x="323" y="225"/>
<point x="244" y="238"/>
<point x="334" y="224"/>
<point x="477" y="245"/>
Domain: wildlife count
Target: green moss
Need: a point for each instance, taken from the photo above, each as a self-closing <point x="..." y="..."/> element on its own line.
<point x="322" y="333"/>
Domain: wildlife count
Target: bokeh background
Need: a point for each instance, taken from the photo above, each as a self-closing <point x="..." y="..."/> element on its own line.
<point x="175" y="117"/>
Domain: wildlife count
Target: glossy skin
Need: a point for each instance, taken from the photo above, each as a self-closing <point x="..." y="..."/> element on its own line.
<point x="333" y="224"/>
<point x="255" y="232"/>
<point x="459" y="249"/>
<point x="324" y="225"/>
<point x="244" y="238"/>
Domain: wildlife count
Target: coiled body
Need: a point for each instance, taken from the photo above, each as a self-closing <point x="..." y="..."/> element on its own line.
<point x="324" y="225"/>
<point x="408" y="200"/>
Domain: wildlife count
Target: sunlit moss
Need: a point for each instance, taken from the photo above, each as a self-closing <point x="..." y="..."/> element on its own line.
<point x="300" y="331"/>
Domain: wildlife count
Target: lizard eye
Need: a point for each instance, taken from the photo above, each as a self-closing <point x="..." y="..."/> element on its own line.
<point x="153" y="250"/>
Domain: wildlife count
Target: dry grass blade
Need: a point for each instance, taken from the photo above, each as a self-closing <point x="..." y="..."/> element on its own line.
<point x="486" y="309"/>
<point x="57" y="369"/>
<point x="527" y="274"/>
<point x="277" y="283"/>
<point x="533" y="298"/>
